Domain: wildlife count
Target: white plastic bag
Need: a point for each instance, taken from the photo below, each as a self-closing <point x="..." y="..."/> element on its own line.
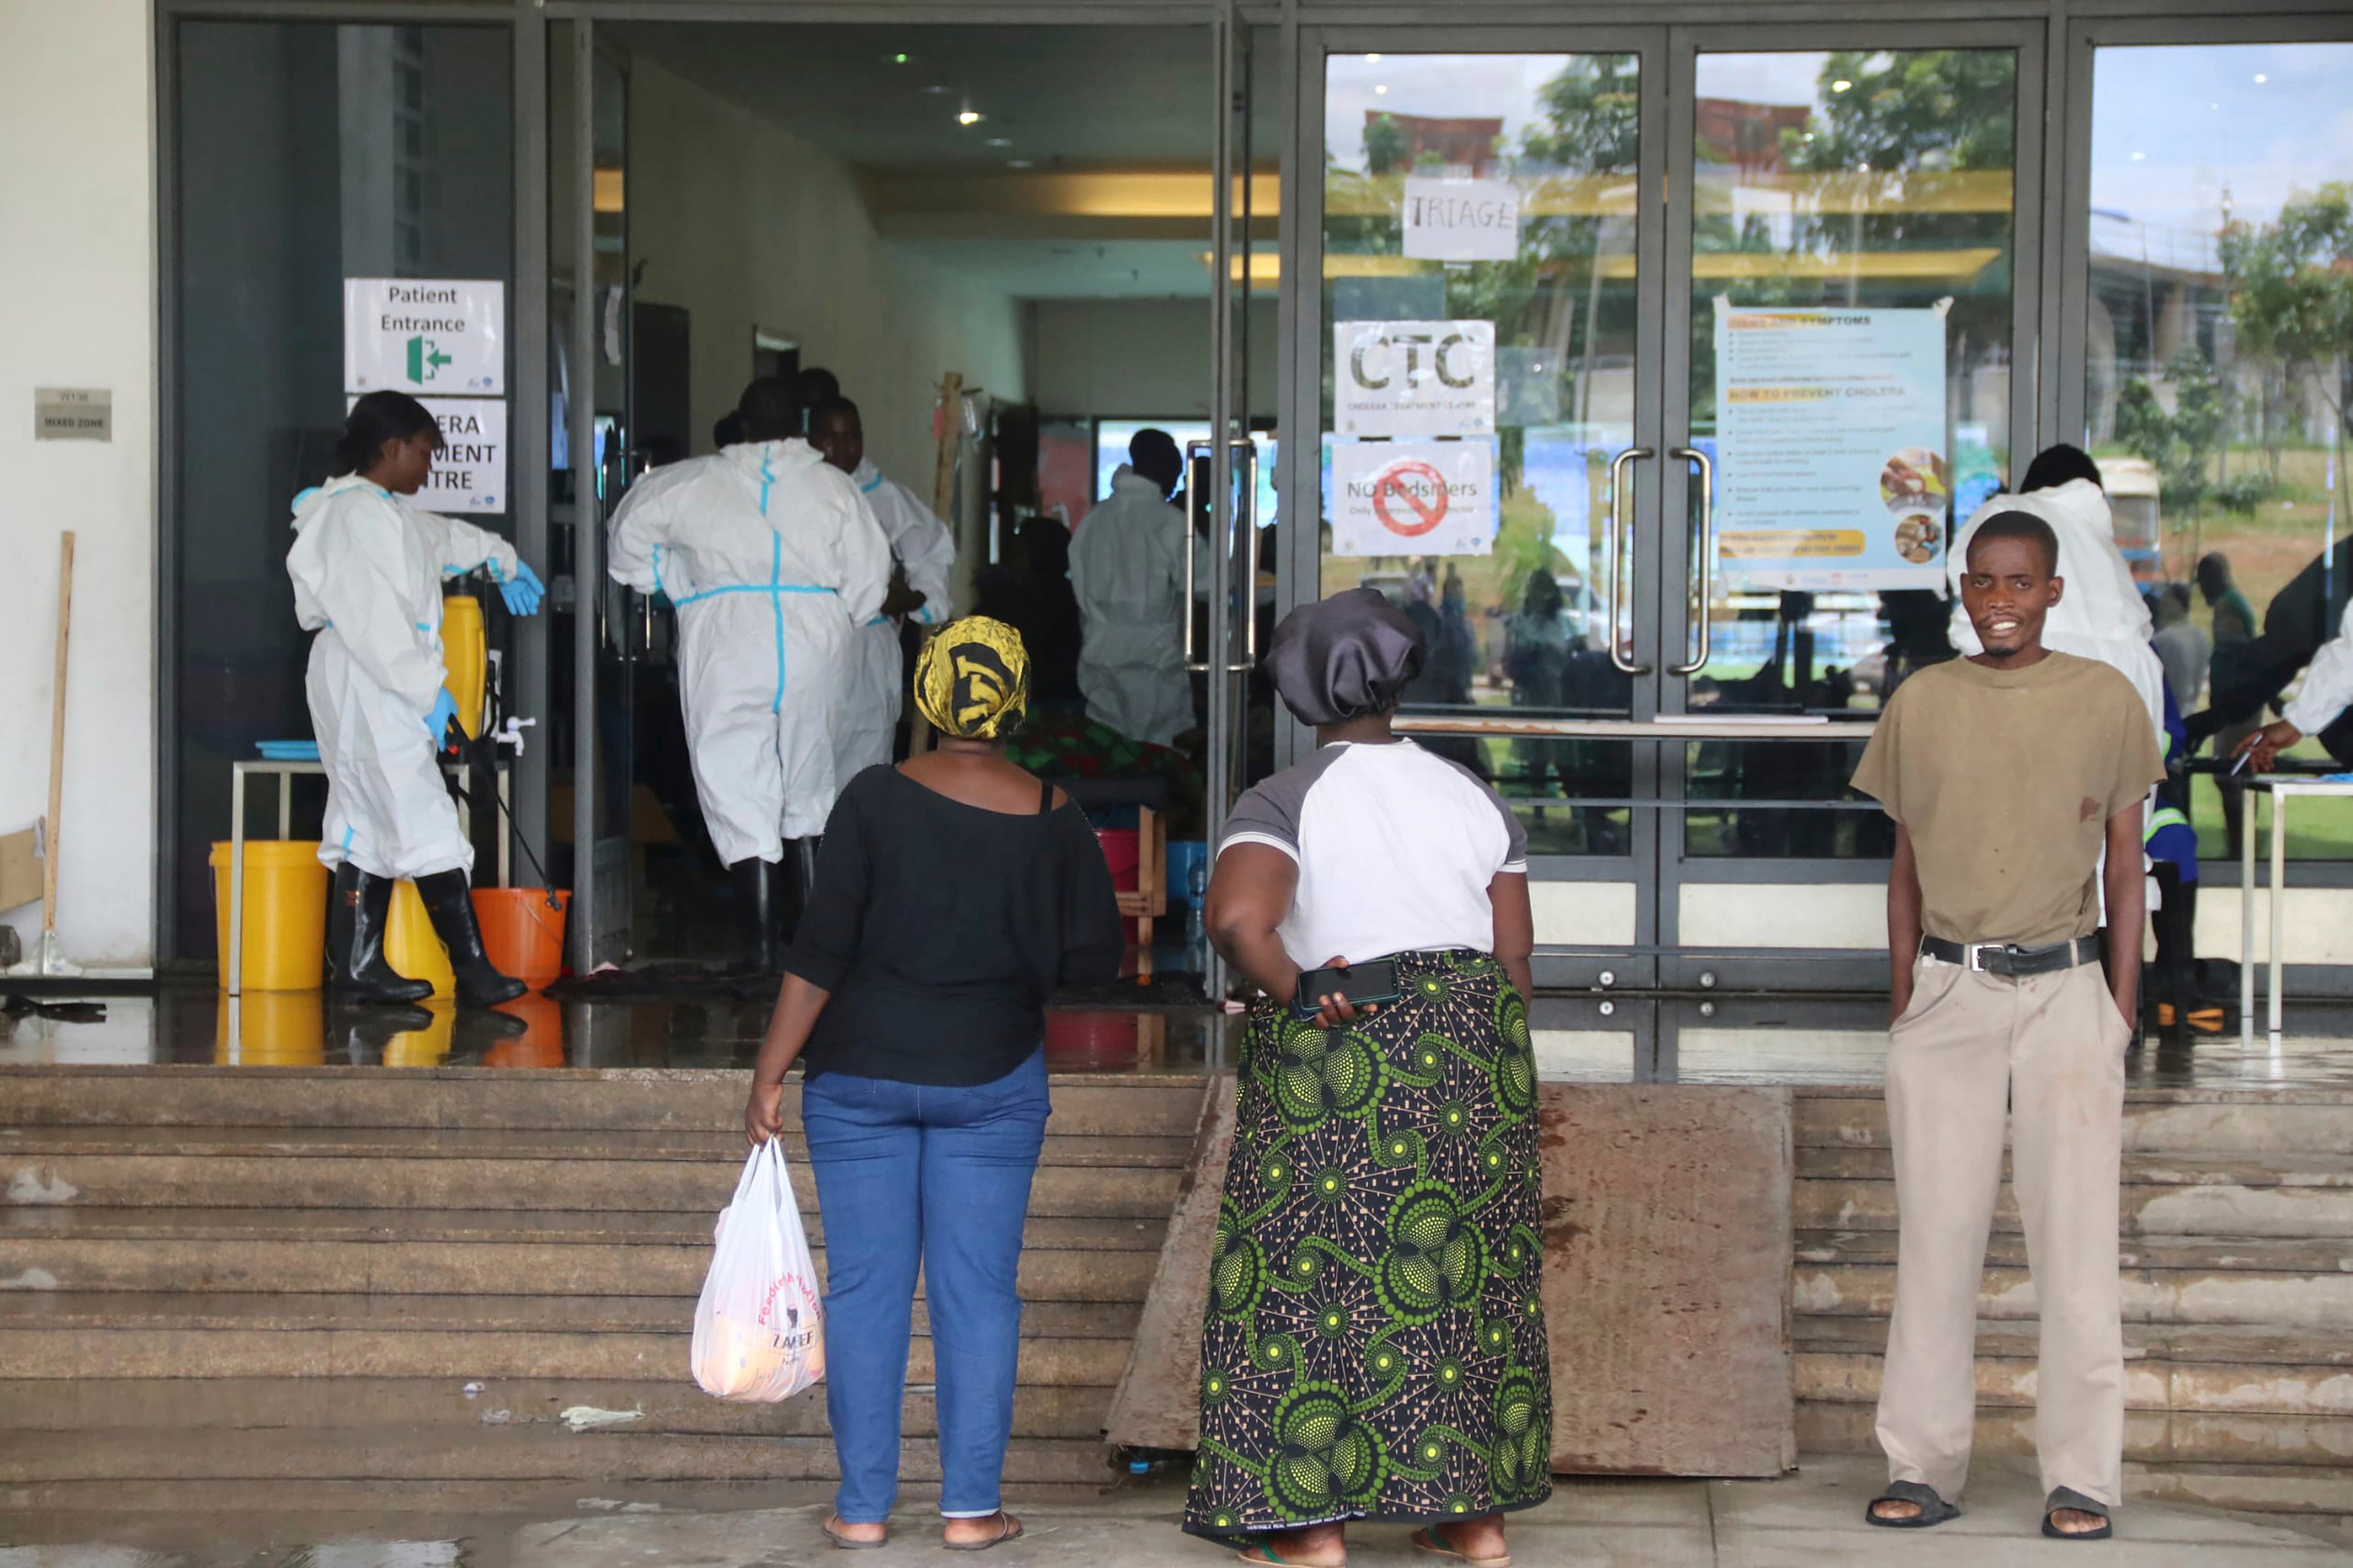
<point x="759" y="1329"/>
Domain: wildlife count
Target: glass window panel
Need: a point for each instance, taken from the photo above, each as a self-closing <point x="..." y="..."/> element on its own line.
<point x="2217" y="335"/>
<point x="289" y="179"/>
<point x="1855" y="180"/>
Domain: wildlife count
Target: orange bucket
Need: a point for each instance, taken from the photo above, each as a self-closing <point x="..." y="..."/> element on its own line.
<point x="521" y="935"/>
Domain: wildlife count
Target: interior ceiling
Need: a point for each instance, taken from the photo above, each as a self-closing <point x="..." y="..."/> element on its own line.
<point x="1061" y="99"/>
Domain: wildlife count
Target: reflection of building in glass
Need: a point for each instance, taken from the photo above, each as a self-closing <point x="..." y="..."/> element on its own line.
<point x="1745" y="136"/>
<point x="1397" y="143"/>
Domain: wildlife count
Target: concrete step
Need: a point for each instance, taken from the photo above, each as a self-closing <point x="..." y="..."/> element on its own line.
<point x="413" y="1263"/>
<point x="2151" y="1436"/>
<point x="494" y="1453"/>
<point x="2173" y="1279"/>
<point x="426" y="1177"/>
<point x="2302" y="1196"/>
<point x="88" y="1408"/>
<point x="565" y="1100"/>
<point x="2219" y="1370"/>
<point x="2211" y="1122"/>
<point x="2245" y="1488"/>
<point x="71" y="1334"/>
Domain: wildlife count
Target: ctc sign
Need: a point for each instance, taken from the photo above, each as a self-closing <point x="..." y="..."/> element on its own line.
<point x="1373" y="363"/>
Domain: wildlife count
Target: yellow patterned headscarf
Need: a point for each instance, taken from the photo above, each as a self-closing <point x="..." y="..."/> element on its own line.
<point x="972" y="679"/>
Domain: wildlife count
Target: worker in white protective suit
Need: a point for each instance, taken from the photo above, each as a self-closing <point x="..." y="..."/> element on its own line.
<point x="923" y="555"/>
<point x="773" y="559"/>
<point x="2326" y="692"/>
<point x="2102" y="613"/>
<point x="1127" y="567"/>
<point x="368" y="571"/>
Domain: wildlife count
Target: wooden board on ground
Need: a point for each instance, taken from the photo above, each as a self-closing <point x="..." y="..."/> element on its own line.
<point x="20" y="867"/>
<point x="1667" y="1248"/>
<point x="1666" y="1280"/>
<point x="1158" y="1402"/>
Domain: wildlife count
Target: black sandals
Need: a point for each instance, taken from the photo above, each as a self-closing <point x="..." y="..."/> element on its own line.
<point x="2069" y="1498"/>
<point x="1934" y="1510"/>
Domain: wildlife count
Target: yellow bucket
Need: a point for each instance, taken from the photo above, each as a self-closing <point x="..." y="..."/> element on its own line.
<point x="285" y="913"/>
<point x="465" y="659"/>
<point x="275" y="1029"/>
<point x="410" y="945"/>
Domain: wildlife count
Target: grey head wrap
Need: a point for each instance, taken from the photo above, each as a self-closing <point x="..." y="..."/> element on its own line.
<point x="1344" y="656"/>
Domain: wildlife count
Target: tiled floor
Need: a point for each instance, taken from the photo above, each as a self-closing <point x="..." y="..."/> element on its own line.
<point x="1590" y="1037"/>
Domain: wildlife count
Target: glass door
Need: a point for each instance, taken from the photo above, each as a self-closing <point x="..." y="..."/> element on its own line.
<point x="1849" y="248"/>
<point x="1486" y="325"/>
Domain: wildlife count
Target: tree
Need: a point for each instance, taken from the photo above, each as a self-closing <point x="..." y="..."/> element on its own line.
<point x="1384" y="146"/>
<point x="2292" y="292"/>
<point x="2183" y="442"/>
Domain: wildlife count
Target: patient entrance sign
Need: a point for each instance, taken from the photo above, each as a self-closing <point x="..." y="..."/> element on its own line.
<point x="427" y="336"/>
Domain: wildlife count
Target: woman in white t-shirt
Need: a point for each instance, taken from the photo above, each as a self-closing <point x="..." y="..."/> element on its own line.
<point x="1374" y="1305"/>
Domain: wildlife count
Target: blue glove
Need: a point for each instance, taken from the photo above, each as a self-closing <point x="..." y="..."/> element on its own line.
<point x="437" y="723"/>
<point x="523" y="591"/>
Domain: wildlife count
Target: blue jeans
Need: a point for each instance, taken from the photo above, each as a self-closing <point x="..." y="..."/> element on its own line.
<point x="909" y="1174"/>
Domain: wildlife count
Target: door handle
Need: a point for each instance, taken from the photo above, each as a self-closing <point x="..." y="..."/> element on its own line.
<point x="1703" y="564"/>
<point x="1621" y="493"/>
<point x="1246" y="480"/>
<point x="1195" y="452"/>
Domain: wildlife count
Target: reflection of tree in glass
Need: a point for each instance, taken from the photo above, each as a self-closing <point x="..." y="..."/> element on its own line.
<point x="2183" y="441"/>
<point x="2292" y="293"/>
<point x="1893" y="159"/>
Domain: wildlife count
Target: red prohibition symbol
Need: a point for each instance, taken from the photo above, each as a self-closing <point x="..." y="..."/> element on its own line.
<point x="1400" y="510"/>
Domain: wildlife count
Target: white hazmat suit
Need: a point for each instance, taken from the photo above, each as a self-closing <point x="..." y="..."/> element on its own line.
<point x="1127" y="567"/>
<point x="368" y="571"/>
<point x="2327" y="688"/>
<point x="773" y="559"/>
<point x="2101" y="614"/>
<point x="878" y="676"/>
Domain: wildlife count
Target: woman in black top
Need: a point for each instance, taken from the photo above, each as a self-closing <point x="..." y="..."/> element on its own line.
<point x="954" y="894"/>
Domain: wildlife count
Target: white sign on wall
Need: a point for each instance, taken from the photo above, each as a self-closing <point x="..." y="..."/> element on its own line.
<point x="1415" y="378"/>
<point x="1413" y="498"/>
<point x="469" y="472"/>
<point x="425" y="335"/>
<point x="1462" y="220"/>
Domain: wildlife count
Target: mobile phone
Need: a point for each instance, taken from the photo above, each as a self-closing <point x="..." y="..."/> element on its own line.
<point x="1362" y="983"/>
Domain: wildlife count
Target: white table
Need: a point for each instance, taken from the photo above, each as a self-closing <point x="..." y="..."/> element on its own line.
<point x="2281" y="790"/>
<point x="233" y="973"/>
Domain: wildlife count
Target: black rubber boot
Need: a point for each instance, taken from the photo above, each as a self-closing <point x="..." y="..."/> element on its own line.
<point x="451" y="904"/>
<point x="758" y="889"/>
<point x="359" y="907"/>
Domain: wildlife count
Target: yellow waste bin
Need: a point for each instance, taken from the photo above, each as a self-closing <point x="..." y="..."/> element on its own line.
<point x="411" y="945"/>
<point x="465" y="659"/>
<point x="285" y="913"/>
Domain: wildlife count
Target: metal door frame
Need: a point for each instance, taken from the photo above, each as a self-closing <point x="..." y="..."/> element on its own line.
<point x="1300" y="472"/>
<point x="1798" y="968"/>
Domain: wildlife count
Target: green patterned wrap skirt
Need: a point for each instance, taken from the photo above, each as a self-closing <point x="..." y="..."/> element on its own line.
<point x="1375" y="1344"/>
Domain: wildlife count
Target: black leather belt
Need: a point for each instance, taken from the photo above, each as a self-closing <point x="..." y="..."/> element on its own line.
<point x="2009" y="959"/>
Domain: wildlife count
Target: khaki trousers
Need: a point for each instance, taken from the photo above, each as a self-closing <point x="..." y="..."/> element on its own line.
<point x="2049" y="1050"/>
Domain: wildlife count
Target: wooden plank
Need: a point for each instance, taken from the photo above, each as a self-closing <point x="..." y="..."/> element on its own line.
<point x="57" y="737"/>
<point x="20" y="867"/>
<point x="1158" y="1402"/>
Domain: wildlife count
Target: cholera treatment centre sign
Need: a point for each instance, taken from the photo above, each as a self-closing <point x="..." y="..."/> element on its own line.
<point x="442" y="341"/>
<point x="1425" y="482"/>
<point x="1833" y="466"/>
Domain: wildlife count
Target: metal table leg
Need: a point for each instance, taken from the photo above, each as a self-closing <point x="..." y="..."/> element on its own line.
<point x="234" y="978"/>
<point x="2279" y="898"/>
<point x="505" y="778"/>
<point x="2247" y="918"/>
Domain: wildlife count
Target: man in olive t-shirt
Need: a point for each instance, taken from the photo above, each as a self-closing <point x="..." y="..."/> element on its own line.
<point x="2008" y="774"/>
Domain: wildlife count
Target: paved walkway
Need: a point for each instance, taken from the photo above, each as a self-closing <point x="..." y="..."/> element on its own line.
<point x="1811" y="1519"/>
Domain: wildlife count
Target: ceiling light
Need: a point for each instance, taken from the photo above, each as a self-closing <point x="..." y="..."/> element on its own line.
<point x="897" y="59"/>
<point x="968" y="117"/>
<point x="2260" y="79"/>
<point x="1020" y="164"/>
<point x="1380" y="89"/>
<point x="935" y="88"/>
<point x="1841" y="85"/>
<point x="1372" y="59"/>
<point x="1808" y="136"/>
<point x="998" y="141"/>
